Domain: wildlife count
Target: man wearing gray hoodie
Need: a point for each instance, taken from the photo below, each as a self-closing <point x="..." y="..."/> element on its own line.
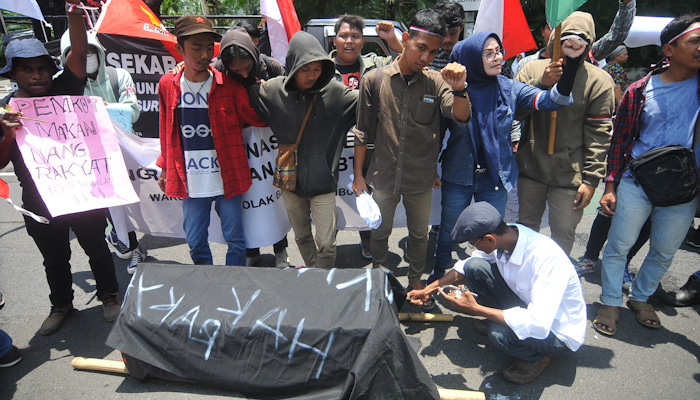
<point x="283" y="102"/>
<point x="116" y="88"/>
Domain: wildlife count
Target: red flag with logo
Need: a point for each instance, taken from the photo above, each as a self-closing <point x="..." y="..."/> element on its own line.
<point x="134" y="18"/>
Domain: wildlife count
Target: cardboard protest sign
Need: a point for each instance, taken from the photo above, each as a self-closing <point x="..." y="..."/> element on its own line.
<point x="120" y="116"/>
<point x="270" y="333"/>
<point x="72" y="153"/>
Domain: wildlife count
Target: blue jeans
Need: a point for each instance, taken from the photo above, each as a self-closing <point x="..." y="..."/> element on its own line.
<point x="5" y="343"/>
<point x="485" y="279"/>
<point x="197" y="213"/>
<point x="668" y="228"/>
<point x="455" y="198"/>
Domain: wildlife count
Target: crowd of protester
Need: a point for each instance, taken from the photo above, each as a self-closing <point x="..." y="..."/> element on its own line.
<point x="399" y="112"/>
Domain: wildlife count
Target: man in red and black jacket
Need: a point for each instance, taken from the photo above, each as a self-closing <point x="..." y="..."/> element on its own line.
<point x="202" y="113"/>
<point x="649" y="117"/>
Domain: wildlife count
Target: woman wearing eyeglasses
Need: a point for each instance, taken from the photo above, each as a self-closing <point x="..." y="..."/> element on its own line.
<point x="478" y="161"/>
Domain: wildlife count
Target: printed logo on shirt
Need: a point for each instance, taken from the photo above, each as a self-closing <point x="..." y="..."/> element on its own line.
<point x="201" y="130"/>
<point x="193" y="100"/>
<point x="352" y="80"/>
<point x="201" y="162"/>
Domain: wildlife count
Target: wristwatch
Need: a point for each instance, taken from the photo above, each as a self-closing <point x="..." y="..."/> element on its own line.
<point x="461" y="93"/>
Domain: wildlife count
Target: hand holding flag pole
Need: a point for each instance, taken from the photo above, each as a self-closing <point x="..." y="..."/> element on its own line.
<point x="553" y="116"/>
<point x="557" y="11"/>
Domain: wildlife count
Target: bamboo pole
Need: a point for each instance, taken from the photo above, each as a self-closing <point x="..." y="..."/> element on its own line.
<point x="118" y="367"/>
<point x="553" y="114"/>
<point x="97" y="364"/>
<point x="452" y="394"/>
<point x="425" y="317"/>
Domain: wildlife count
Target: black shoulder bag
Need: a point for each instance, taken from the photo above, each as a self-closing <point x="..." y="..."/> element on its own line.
<point x="669" y="174"/>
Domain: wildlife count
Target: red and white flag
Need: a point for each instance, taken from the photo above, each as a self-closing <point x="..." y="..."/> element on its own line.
<point x="282" y="24"/>
<point x="506" y="18"/>
<point x="5" y="194"/>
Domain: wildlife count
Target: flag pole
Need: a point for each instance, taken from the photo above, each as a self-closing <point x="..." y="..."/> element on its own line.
<point x="553" y="115"/>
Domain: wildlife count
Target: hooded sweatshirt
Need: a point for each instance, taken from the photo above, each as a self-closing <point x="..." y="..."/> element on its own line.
<point x="283" y="106"/>
<point x="101" y="86"/>
<point x="264" y="67"/>
<point x="487" y="135"/>
<point x="583" y="129"/>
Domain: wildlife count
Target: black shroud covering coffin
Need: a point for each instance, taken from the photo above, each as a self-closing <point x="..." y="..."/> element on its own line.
<point x="266" y="332"/>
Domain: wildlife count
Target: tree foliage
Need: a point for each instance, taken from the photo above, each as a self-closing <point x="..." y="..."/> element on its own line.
<point x="215" y="7"/>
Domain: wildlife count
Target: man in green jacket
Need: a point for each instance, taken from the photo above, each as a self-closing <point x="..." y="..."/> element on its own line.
<point x="566" y="179"/>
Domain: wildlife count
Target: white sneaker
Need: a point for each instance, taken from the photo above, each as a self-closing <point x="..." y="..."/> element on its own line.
<point x="281" y="259"/>
<point x="137" y="256"/>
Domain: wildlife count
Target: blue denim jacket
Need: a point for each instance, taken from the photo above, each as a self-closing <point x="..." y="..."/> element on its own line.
<point x="458" y="157"/>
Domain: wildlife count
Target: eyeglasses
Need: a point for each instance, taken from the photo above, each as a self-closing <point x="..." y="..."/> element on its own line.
<point x="489" y="55"/>
<point x="471" y="242"/>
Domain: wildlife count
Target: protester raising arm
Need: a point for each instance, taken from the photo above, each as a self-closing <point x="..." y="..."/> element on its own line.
<point x="77" y="57"/>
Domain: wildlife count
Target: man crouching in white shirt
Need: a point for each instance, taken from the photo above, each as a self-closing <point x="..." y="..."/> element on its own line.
<point x="528" y="290"/>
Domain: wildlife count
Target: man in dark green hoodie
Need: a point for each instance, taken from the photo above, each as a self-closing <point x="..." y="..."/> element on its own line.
<point x="283" y="102"/>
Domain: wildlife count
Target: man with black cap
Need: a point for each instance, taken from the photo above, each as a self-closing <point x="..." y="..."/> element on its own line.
<point x="31" y="67"/>
<point x="528" y="291"/>
<point x="202" y="155"/>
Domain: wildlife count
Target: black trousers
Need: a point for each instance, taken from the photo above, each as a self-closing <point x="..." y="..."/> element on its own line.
<point x="277" y="247"/>
<point x="54" y="244"/>
<point x="599" y="235"/>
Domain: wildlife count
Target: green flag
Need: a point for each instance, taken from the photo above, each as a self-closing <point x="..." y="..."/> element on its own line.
<point x="558" y="10"/>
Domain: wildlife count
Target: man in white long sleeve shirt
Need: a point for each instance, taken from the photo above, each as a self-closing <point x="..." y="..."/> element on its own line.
<point x="528" y="291"/>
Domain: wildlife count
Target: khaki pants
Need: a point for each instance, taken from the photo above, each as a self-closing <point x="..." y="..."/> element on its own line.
<point x="417" y="207"/>
<point x="533" y="196"/>
<point x="321" y="253"/>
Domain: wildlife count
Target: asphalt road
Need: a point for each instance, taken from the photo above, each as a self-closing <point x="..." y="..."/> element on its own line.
<point x="638" y="363"/>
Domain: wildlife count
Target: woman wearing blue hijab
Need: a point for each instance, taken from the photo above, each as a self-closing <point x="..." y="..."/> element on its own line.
<point x="478" y="161"/>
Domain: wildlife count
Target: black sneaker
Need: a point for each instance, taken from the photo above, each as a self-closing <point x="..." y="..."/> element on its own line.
<point x="11" y="358"/>
<point x="120" y="249"/>
<point x="137" y="257"/>
<point x="693" y="241"/>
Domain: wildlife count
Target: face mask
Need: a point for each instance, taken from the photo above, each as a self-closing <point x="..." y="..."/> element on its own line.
<point x="92" y="63"/>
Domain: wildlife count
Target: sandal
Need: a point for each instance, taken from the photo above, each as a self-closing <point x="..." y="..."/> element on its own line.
<point x="365" y="251"/>
<point x="645" y="312"/>
<point x="606" y="319"/>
